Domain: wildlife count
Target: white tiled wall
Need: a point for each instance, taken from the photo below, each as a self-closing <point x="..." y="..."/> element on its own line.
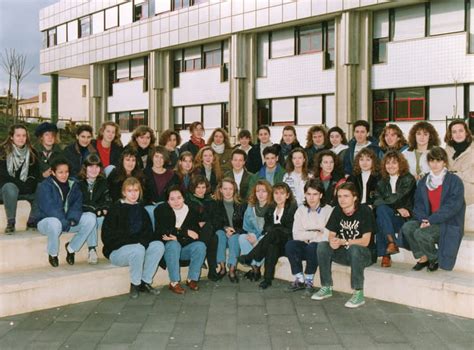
<point x="128" y="96"/>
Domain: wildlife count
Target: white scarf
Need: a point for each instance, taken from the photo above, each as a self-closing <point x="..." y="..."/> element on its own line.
<point x="339" y="148"/>
<point x="434" y="181"/>
<point x="19" y="158"/>
<point x="181" y="215"/>
<point x="219" y="149"/>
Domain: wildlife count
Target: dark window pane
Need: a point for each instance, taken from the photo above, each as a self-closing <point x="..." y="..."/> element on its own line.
<point x="417" y="109"/>
<point x="123" y="120"/>
<point x="263" y="112"/>
<point x="401" y="109"/>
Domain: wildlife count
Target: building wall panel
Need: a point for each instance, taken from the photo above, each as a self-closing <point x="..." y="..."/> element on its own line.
<point x="128" y="96"/>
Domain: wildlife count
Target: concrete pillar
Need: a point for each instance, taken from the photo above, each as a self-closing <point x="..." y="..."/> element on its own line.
<point x="54" y="98"/>
<point x="160" y="105"/>
<point x="98" y="87"/>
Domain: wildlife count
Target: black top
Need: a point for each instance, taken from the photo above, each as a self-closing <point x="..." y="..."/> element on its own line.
<point x="151" y="193"/>
<point x="370" y="187"/>
<point x="25" y="187"/>
<point x="75" y="156"/>
<point x="354" y="226"/>
<point x="115" y="152"/>
<point x="286" y="222"/>
<point x="220" y="219"/>
<point x="403" y="196"/>
<point x="97" y="199"/>
<point x="254" y="159"/>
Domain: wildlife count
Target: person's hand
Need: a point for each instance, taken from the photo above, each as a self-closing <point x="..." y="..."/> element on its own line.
<point x="229" y="231"/>
<point x="251" y="238"/>
<point x="425" y="223"/>
<point x="169" y="238"/>
<point x="201" y="224"/>
<point x="193" y="234"/>
<point x="404" y="213"/>
<point x="47" y="173"/>
<point x="104" y="212"/>
<point x="335" y="243"/>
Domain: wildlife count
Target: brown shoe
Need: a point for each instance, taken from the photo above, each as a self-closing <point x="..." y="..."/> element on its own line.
<point x="176" y="288"/>
<point x="386" y="261"/>
<point x="392" y="248"/>
<point x="193" y="285"/>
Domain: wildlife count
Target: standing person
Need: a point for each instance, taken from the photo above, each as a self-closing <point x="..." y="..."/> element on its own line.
<point x="245" y="141"/>
<point x="60" y="210"/>
<point x="199" y="199"/>
<point x="220" y="143"/>
<point x="95" y="198"/>
<point x="77" y="151"/>
<point x="361" y="129"/>
<point x="271" y="170"/>
<point x="365" y="176"/>
<point x="350" y="229"/>
<point x="288" y="142"/>
<point x="142" y="142"/>
<point x="228" y="217"/>
<point x="109" y="146"/>
<point x="297" y="173"/>
<point x="460" y="150"/>
<point x="128" y="167"/>
<point x="316" y="139"/>
<point x="196" y="142"/>
<point x="327" y="170"/>
<point x="259" y="203"/>
<point x="438" y="216"/>
<point x="421" y="138"/>
<point x="277" y="231"/>
<point x="309" y="228"/>
<point x="171" y="139"/>
<point x="47" y="148"/>
<point x="128" y="239"/>
<point x="206" y="163"/>
<point x="255" y="155"/>
<point x="19" y="175"/>
<point x="392" y="139"/>
<point x="184" y="170"/>
<point x="177" y="226"/>
<point x="238" y="172"/>
<point x="337" y="142"/>
<point x="393" y="203"/>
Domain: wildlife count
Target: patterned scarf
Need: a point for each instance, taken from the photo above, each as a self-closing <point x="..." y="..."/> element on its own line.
<point x="434" y="181"/>
<point x="198" y="141"/>
<point x="19" y="158"/>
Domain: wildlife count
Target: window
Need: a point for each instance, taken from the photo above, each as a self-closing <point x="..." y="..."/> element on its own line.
<point x="140" y="10"/>
<point x="282" y="43"/>
<point x="123" y="71"/>
<point x="126" y="14"/>
<point x="43" y="97"/>
<point x="85" y="26"/>
<point x="61" y="34"/>
<point x="212" y="115"/>
<point x="52" y="37"/>
<point x="128" y="121"/>
<point x="98" y="22"/>
<point x="177" y="69"/>
<point x="409" y="22"/>
<point x="212" y="58"/>
<point x="178" y="118"/>
<point x="409" y="104"/>
<point x="263" y="112"/>
<point x="193" y="64"/>
<point x="379" y="50"/>
<point x="111" y="17"/>
<point x="225" y="116"/>
<point x="112" y="78"/>
<point x="381" y="36"/>
<point x="129" y="70"/>
<point x="263" y="54"/>
<point x="283" y="111"/>
<point x="310" y="110"/>
<point x="311" y="39"/>
<point x="179" y="4"/>
<point x="330" y="44"/>
<point x="192" y="58"/>
<point x="84" y="90"/>
<point x="381" y="106"/>
<point x="73" y="30"/>
<point x="137" y="68"/>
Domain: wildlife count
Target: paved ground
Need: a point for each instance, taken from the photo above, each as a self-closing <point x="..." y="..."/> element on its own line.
<point x="225" y="316"/>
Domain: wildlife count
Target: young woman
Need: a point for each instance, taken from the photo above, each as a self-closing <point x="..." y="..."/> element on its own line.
<point x="142" y="142"/>
<point x="220" y="143"/>
<point x="259" y="203"/>
<point x="228" y="217"/>
<point x="95" y="197"/>
<point x="196" y="142"/>
<point x="207" y="164"/>
<point x="326" y="168"/>
<point x="19" y="175"/>
<point x="309" y="228"/>
<point x="171" y="139"/>
<point x="438" y="216"/>
<point x="47" y="148"/>
<point x="199" y="199"/>
<point x="392" y="139"/>
<point x="127" y="167"/>
<point x="245" y="141"/>
<point x="288" y="142"/>
<point x="366" y="175"/>
<point x="297" y="173"/>
<point x="129" y="241"/>
<point x="60" y="210"/>
<point x="77" y="151"/>
<point x="184" y="170"/>
<point x="108" y="146"/>
<point x="157" y="180"/>
<point x="393" y="203"/>
<point x="316" y="139"/>
<point x="276" y="232"/>
<point x="177" y="225"/>
<point x="337" y="142"/>
<point x="350" y="229"/>
<point x="256" y="158"/>
<point x="460" y="150"/>
<point x="421" y="138"/>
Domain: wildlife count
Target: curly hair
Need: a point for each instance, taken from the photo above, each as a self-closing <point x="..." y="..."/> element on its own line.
<point x="311" y="131"/>
<point x="252" y="200"/>
<point x="290" y="167"/>
<point x="424" y="126"/>
<point x="367" y="152"/>
<point x="116" y="139"/>
<point x="403" y="167"/>
<point x="166" y="135"/>
<point x="163" y="151"/>
<point x="140" y="131"/>
<point x="340" y="132"/>
<point x="319" y="158"/>
<point x="449" y="136"/>
<point x="216" y="167"/>
<point x="401" y="138"/>
<point x="218" y="194"/>
<point x="121" y="173"/>
<point x="224" y="133"/>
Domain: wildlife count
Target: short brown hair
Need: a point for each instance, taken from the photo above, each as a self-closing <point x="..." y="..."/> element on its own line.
<point x="196" y="180"/>
<point x="132" y="181"/>
<point x="367" y="152"/>
<point x="165" y="136"/>
<point x="194" y="125"/>
<point x="252" y="200"/>
<point x="163" y="151"/>
<point x="403" y="167"/>
<point x="423" y="125"/>
<point x="449" y="137"/>
<point x="437" y="153"/>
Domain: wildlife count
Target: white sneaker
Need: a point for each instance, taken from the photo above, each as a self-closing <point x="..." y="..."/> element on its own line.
<point x="92" y="259"/>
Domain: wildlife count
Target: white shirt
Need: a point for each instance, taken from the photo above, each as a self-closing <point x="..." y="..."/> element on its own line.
<point x="359" y="147"/>
<point x="393" y="183"/>
<point x="296" y="184"/>
<point x="181" y="215"/>
<point x="310" y="225"/>
<point x="238" y="178"/>
<point x="277" y="218"/>
<point x="365" y="177"/>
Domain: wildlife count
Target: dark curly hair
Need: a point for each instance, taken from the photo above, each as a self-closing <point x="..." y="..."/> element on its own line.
<point x="403" y="167"/>
<point x="367" y="152"/>
<point x="425" y="126"/>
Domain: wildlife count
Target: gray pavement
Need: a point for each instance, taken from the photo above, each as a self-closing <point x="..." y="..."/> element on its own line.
<point x="227" y="316"/>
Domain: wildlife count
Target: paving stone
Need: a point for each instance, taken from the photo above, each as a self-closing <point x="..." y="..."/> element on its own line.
<point x="221" y="324"/>
<point x="321" y="338"/>
<point x="36" y="322"/>
<point x="357" y="341"/>
<point x="18" y="339"/>
<point x="408" y="324"/>
<point x="326" y="347"/>
<point x="58" y="331"/>
<point x="218" y="343"/>
<point x="253" y="337"/>
<point x="111" y="305"/>
<point x="133" y="314"/>
<point x="386" y="333"/>
<point x="311" y="313"/>
<point x="39" y="345"/>
<point x="187" y="334"/>
<point x="346" y="324"/>
<point x="284" y="325"/>
<point x="287" y="342"/>
<point x="166" y="306"/>
<point x="197" y="298"/>
<point x="280" y="306"/>
<point x="113" y="346"/>
<point x="150" y="341"/>
<point x="98" y="322"/>
<point x="250" y="298"/>
<point x="83" y="340"/>
<point x="193" y="313"/>
<point x="159" y="323"/>
<point x="252" y="315"/>
<point x="6" y="326"/>
<point x="122" y="333"/>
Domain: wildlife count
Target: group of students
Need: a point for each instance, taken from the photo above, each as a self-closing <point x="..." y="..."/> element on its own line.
<point x="157" y="204"/>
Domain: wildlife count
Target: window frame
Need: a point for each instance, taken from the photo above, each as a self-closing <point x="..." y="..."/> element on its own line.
<point x="79" y="29"/>
<point x="144" y="3"/>
<point x="299" y="37"/>
<point x="409" y="117"/>
<point x="115" y="117"/>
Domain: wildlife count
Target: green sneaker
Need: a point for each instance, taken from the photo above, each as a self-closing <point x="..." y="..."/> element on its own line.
<point x="322" y="293"/>
<point x="356" y="300"/>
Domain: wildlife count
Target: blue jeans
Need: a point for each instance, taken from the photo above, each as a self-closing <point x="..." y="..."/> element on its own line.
<point x="246" y="247"/>
<point x="92" y="239"/>
<point x="297" y="251"/>
<point x="10" y="195"/>
<point x="143" y="262"/>
<point x="53" y="228"/>
<point x="387" y="225"/>
<point x="151" y="212"/>
<point x="234" y="248"/>
<point x="194" y="252"/>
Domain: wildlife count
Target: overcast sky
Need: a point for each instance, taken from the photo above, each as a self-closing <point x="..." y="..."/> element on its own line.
<point x="19" y="29"/>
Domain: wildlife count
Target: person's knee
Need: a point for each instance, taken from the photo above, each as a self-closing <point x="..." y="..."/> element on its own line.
<point x="358" y="251"/>
<point x="199" y="248"/>
<point x="53" y="225"/>
<point x="383" y="210"/>
<point x="243" y="239"/>
<point x="89" y="219"/>
<point x="172" y="246"/>
<point x="157" y="246"/>
<point x="10" y="190"/>
<point x="323" y="248"/>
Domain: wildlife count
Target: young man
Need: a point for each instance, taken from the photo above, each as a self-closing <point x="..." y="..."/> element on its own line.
<point x="360" y="140"/>
<point x="239" y="173"/>
<point x="256" y="156"/>
<point x="271" y="170"/>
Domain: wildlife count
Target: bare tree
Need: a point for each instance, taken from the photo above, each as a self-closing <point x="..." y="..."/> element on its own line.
<point x="7" y="60"/>
<point x="20" y="72"/>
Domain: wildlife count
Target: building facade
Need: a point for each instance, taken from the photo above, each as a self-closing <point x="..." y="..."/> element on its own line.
<point x="240" y="63"/>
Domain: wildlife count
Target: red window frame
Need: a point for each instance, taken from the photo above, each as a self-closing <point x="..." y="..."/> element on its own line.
<point x="375" y="116"/>
<point x="409" y="100"/>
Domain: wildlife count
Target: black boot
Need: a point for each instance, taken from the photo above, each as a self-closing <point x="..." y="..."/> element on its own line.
<point x="53" y="260"/>
<point x="69" y="256"/>
<point x="134" y="291"/>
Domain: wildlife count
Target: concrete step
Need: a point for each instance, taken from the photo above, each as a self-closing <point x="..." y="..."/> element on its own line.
<point x="449" y="292"/>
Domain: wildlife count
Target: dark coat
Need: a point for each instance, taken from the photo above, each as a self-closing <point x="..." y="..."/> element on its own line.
<point x="254" y="159"/>
<point x="98" y="199"/>
<point x="450" y="217"/>
<point x="349" y="156"/>
<point x="115" y="152"/>
<point x="45" y="163"/>
<point x="281" y="156"/>
<point x="190" y="147"/>
<point x="75" y="158"/>
<point x="220" y="220"/>
<point x="330" y="191"/>
<point x="25" y="187"/>
<point x="203" y="206"/>
<point x="371" y="186"/>
<point x="116" y="228"/>
<point x="50" y="202"/>
<point x="244" y="184"/>
<point x="311" y="153"/>
<point x="165" y="222"/>
<point x="214" y="180"/>
<point x="403" y="198"/>
<point x="115" y="185"/>
<point x="285" y="228"/>
<point x="150" y="192"/>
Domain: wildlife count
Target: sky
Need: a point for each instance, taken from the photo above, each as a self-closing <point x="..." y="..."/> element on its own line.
<point x="19" y="29"/>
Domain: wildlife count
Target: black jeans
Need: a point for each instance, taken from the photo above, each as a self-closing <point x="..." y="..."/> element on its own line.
<point x="297" y="251"/>
<point x="209" y="238"/>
